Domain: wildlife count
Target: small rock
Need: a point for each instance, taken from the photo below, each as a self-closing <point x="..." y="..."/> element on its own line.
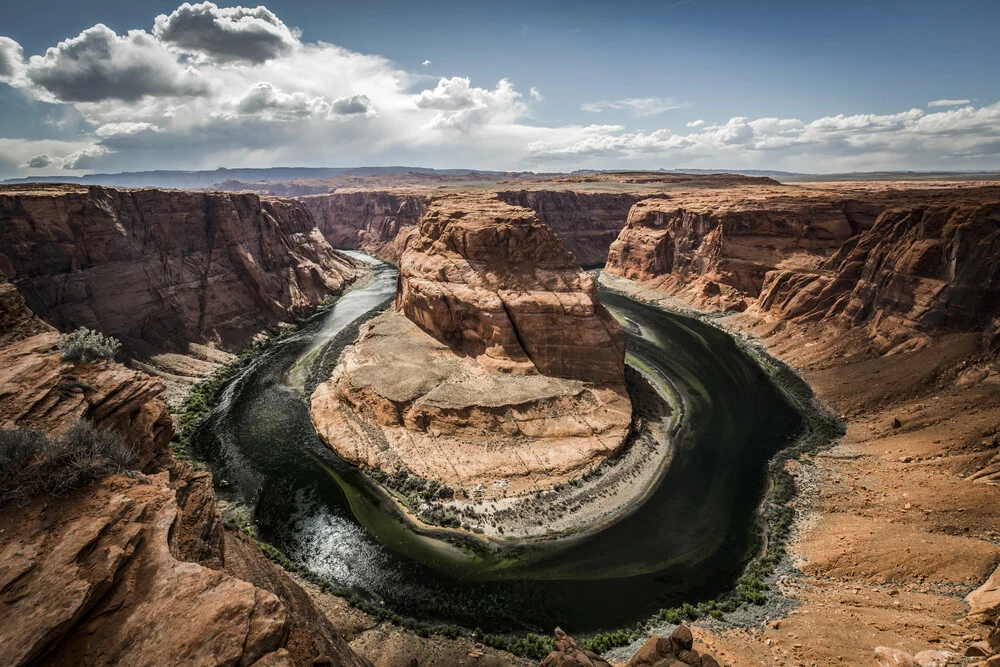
<point x="896" y="423"/>
<point x="681" y="639"/>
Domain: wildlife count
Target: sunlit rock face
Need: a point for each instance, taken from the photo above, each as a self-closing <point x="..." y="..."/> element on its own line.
<point x="157" y="264"/>
<point x="918" y="269"/>
<point x="499" y="371"/>
<point x="492" y="281"/>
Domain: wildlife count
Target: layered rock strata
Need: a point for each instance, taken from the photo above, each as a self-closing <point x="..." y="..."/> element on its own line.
<point x="171" y="265"/>
<point x="499" y="373"/>
<point x="379" y="223"/>
<point x="587" y="222"/>
<point x="917" y="270"/>
<point x="136" y="569"/>
<point x="715" y="248"/>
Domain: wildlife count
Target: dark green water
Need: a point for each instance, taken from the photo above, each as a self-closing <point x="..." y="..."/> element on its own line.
<point x="688" y="542"/>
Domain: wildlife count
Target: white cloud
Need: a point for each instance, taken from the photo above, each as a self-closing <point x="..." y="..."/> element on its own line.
<point x="909" y="139"/>
<point x="948" y="103"/>
<point x="460" y="106"/>
<point x="39" y="162"/>
<point x="100" y="65"/>
<point x="226" y="34"/>
<point x="243" y="90"/>
<point x="426" y="63"/>
<point x="11" y="60"/>
<point x="639" y="106"/>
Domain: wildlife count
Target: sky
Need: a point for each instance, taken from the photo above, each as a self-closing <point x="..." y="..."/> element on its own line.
<point x="803" y="86"/>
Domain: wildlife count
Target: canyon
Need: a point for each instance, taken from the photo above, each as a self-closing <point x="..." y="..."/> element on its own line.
<point x="471" y="382"/>
<point x="498" y="357"/>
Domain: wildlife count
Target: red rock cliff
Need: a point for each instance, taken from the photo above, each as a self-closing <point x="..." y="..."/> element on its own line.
<point x="490" y="279"/>
<point x="368" y="221"/>
<point x="587" y="222"/>
<point x="157" y="264"/>
<point x="918" y="269"/>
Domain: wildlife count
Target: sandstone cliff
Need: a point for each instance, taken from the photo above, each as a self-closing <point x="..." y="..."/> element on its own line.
<point x="491" y="281"/>
<point x="918" y="269"/>
<point x="136" y="569"/>
<point x="714" y="248"/>
<point x="506" y="367"/>
<point x="587" y="222"/>
<point x="165" y="265"/>
<point x="378" y="223"/>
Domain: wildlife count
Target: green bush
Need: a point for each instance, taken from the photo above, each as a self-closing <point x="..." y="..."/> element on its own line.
<point x="87" y="345"/>
<point x="31" y="463"/>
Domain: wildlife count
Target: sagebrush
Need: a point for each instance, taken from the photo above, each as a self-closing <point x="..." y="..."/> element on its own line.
<point x="32" y="463"/>
<point x="88" y="345"/>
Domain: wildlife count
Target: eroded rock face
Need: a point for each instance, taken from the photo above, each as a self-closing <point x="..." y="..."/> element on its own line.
<point x="500" y="360"/>
<point x="715" y="248"/>
<point x="919" y="269"/>
<point x="587" y="223"/>
<point x="379" y="223"/>
<point x="494" y="283"/>
<point x="153" y="264"/>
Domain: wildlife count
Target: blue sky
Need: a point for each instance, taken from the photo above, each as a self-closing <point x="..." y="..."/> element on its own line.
<point x="803" y="86"/>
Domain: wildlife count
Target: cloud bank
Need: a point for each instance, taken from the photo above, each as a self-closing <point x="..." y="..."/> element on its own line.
<point x="207" y="86"/>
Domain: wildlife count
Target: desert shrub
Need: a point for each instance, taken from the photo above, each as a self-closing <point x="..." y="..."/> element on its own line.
<point x="87" y="345"/>
<point x="31" y="463"/>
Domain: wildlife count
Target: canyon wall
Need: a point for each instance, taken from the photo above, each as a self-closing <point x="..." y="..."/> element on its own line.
<point x="136" y="568"/>
<point x="587" y="222"/>
<point x="918" y="269"/>
<point x="715" y="248"/>
<point x="378" y="223"/>
<point x="166" y="265"/>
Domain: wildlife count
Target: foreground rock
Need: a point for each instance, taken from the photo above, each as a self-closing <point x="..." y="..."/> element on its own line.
<point x="499" y="374"/>
<point x="152" y="265"/>
<point x="136" y="569"/>
<point x="673" y="651"/>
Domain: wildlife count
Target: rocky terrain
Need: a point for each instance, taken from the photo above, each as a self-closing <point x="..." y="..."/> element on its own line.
<point x="498" y="374"/>
<point x="896" y="330"/>
<point x="165" y="267"/>
<point x="137" y="569"/>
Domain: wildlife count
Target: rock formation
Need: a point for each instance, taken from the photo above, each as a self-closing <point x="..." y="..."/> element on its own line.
<point x="505" y="365"/>
<point x="714" y="248"/>
<point x="587" y="222"/>
<point x="919" y="269"/>
<point x="157" y="265"/>
<point x="379" y="223"/>
<point x="676" y="650"/>
<point x="136" y="569"/>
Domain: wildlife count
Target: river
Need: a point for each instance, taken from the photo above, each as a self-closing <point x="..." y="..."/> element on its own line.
<point x="688" y="542"/>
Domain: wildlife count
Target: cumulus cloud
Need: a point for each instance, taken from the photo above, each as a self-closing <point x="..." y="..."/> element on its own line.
<point x="226" y="34"/>
<point x="11" y="59"/>
<point x="461" y="106"/>
<point x="865" y="139"/>
<point x="39" y="162"/>
<point x="87" y="158"/>
<point x="948" y="103"/>
<point x="426" y="63"/>
<point x="239" y="88"/>
<point x="639" y="106"/>
<point x="100" y="65"/>
<point x="351" y="105"/>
